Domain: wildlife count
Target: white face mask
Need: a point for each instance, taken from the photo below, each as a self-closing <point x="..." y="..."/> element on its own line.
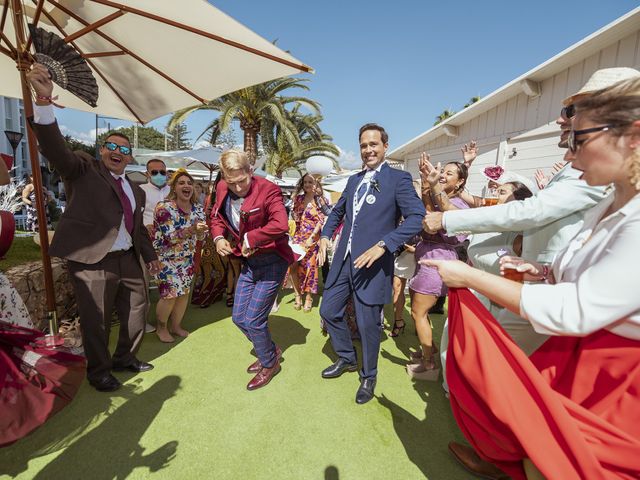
<point x="159" y="180"/>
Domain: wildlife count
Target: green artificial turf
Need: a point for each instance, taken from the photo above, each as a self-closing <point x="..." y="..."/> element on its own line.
<point x="192" y="418"/>
<point x="22" y="250"/>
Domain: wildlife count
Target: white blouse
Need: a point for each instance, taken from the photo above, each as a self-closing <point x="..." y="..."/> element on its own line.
<point x="597" y="278"/>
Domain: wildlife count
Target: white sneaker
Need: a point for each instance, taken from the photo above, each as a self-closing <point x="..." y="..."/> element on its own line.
<point x="148" y="328"/>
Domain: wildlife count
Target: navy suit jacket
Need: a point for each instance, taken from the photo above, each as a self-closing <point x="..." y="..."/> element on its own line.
<point x="378" y="221"/>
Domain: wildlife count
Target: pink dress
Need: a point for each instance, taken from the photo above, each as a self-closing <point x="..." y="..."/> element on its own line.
<point x="439" y="246"/>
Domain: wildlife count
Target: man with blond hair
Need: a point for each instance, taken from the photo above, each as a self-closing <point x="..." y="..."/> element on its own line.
<point x="249" y="221"/>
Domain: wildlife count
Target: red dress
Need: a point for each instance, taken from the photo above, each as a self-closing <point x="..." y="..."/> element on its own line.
<point x="573" y="407"/>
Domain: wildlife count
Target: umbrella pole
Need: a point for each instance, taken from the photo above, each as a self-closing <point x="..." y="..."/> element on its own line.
<point x="23" y="65"/>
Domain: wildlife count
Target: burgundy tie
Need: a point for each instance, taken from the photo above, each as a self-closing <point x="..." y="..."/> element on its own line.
<point x="126" y="207"/>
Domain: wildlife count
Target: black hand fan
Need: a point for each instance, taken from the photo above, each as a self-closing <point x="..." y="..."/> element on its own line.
<point x="67" y="68"/>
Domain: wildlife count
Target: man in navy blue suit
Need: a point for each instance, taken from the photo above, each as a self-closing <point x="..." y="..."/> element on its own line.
<point x="370" y="206"/>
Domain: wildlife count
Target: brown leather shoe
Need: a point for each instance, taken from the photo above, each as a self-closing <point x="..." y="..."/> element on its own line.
<point x="256" y="366"/>
<point x="264" y="376"/>
<point x="470" y="460"/>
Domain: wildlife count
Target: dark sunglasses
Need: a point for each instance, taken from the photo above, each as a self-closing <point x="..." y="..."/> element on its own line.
<point x="112" y="147"/>
<point x="573" y="144"/>
<point x="161" y="172"/>
<point x="569" y="111"/>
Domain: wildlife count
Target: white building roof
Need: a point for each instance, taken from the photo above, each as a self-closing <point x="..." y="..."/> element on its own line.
<point x="623" y="26"/>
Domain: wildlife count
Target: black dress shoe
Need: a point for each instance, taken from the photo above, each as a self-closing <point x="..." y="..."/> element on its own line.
<point x="365" y="392"/>
<point x="338" y="368"/>
<point x="108" y="383"/>
<point x="135" y="366"/>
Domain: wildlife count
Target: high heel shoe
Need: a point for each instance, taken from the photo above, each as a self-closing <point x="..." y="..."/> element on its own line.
<point x="298" y="304"/>
<point x="398" y="327"/>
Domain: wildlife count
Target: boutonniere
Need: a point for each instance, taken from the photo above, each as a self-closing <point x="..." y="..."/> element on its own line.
<point x="375" y="185"/>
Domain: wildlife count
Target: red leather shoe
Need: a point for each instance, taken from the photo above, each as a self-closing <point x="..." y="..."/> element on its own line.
<point x="264" y="376"/>
<point x="256" y="366"/>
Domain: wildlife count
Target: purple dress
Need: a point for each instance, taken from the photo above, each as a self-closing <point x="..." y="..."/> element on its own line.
<point x="438" y="246"/>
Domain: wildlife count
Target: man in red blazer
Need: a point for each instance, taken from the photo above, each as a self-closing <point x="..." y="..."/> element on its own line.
<point x="250" y="212"/>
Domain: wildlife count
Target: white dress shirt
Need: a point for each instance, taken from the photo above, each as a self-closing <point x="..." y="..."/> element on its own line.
<point x="357" y="205"/>
<point x="597" y="278"/>
<point x="124" y="240"/>
<point x="154" y="195"/>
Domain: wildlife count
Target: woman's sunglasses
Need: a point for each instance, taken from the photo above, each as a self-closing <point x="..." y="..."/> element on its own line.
<point x="569" y="111"/>
<point x="159" y="172"/>
<point x="573" y="144"/>
<point x="112" y="147"/>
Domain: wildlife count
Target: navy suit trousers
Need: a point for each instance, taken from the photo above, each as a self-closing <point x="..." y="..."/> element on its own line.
<point x="368" y="319"/>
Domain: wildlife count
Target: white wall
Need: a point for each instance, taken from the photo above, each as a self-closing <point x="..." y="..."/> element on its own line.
<point x="528" y="124"/>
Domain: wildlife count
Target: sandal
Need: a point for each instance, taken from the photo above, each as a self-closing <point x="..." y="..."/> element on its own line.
<point x="230" y="301"/>
<point x="422" y="371"/>
<point x="398" y="327"/>
<point x="308" y="305"/>
<point x="298" y="304"/>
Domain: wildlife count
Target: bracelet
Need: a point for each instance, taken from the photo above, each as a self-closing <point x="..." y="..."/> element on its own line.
<point x="49" y="100"/>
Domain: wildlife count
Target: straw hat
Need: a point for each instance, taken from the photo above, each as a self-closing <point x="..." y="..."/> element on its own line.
<point x="602" y="79"/>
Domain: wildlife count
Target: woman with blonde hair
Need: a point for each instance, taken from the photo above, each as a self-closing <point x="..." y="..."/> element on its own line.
<point x="178" y="222"/>
<point x="571" y="409"/>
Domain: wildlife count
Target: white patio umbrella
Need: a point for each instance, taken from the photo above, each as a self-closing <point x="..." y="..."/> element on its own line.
<point x="149" y="58"/>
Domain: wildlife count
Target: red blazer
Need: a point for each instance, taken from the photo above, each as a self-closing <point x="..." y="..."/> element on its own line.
<point x="262" y="217"/>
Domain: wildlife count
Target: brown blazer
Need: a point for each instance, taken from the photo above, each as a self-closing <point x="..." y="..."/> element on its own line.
<point x="89" y="225"/>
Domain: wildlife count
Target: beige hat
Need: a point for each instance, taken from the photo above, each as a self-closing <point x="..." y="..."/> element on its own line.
<point x="602" y="79"/>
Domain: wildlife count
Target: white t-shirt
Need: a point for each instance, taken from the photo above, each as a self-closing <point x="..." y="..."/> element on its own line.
<point x="154" y="196"/>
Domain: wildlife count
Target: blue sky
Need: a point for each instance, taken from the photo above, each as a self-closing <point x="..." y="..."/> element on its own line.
<point x="401" y="63"/>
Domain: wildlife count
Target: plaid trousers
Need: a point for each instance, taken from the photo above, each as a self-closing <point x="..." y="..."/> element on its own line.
<point x="256" y="290"/>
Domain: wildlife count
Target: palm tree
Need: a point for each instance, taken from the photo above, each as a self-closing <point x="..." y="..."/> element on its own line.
<point x="252" y="106"/>
<point x="283" y="154"/>
<point x="471" y="101"/>
<point x="444" y="115"/>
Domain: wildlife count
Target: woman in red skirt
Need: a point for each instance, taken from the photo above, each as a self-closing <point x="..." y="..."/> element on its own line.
<point x="572" y="409"/>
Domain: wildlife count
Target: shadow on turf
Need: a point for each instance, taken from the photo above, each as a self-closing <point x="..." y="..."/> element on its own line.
<point x="425" y="439"/>
<point x="110" y="450"/>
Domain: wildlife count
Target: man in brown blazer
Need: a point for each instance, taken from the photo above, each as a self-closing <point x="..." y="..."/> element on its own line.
<point x="102" y="236"/>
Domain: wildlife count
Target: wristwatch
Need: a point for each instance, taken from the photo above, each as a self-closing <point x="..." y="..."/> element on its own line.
<point x="381" y="244"/>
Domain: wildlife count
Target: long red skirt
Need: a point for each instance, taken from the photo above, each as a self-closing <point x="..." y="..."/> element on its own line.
<point x="35" y="383"/>
<point x="572" y="408"/>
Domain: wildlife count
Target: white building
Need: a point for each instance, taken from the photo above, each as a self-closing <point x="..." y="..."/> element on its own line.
<point x="12" y="111"/>
<point x="515" y="125"/>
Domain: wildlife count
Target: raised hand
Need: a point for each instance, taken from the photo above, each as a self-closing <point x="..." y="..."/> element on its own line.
<point x="469" y="152"/>
<point x="428" y="172"/>
<point x="541" y="179"/>
<point x="556" y="168"/>
<point x="40" y="80"/>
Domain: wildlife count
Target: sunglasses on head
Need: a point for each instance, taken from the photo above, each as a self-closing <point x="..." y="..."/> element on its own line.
<point x="112" y="147"/>
<point x="159" y="172"/>
<point x="573" y="144"/>
<point x="569" y="111"/>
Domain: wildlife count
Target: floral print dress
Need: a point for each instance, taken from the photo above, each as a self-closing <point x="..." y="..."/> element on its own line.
<point x="309" y="219"/>
<point x="174" y="241"/>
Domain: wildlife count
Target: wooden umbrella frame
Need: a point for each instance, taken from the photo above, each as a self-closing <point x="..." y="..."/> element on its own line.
<point x="20" y="53"/>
